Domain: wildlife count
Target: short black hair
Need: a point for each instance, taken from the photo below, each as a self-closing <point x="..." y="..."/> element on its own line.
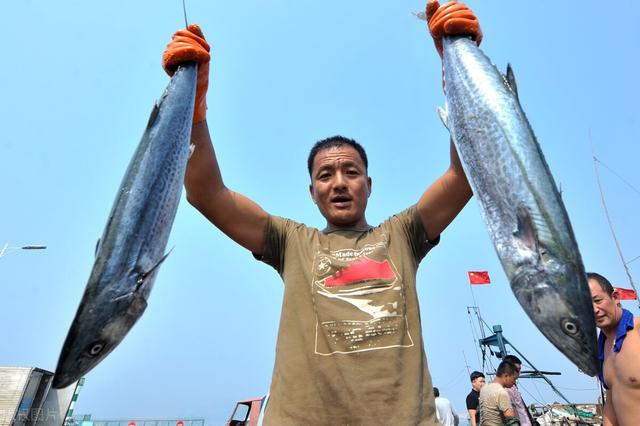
<point x="475" y="375"/>
<point x="602" y="281"/>
<point x="335" y="142"/>
<point x="512" y="359"/>
<point x="436" y="392"/>
<point x="506" y="369"/>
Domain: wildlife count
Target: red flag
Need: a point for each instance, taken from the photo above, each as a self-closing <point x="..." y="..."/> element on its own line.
<point x="479" y="277"/>
<point x="625" y="293"/>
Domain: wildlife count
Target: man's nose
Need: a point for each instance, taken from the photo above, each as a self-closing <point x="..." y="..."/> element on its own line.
<point x="339" y="181"/>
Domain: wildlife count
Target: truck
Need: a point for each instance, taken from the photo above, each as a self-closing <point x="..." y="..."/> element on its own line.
<point x="248" y="412"/>
<point x="27" y="399"/>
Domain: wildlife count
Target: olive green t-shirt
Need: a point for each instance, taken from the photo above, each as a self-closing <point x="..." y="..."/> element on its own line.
<point x="349" y="349"/>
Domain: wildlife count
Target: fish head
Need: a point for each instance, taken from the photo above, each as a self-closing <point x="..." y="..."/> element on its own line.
<point x="557" y="301"/>
<point x="96" y="330"/>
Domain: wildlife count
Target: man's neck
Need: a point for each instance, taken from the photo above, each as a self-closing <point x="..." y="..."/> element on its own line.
<point x="362" y="226"/>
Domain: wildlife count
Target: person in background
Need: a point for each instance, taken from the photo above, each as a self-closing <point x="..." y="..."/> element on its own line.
<point x="516" y="398"/>
<point x="495" y="403"/>
<point x="619" y="349"/>
<point x="477" y="382"/>
<point x="445" y="413"/>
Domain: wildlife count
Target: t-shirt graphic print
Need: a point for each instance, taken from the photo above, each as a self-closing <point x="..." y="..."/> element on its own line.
<point x="359" y="301"/>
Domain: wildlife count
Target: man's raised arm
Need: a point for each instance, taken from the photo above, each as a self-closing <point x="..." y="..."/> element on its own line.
<point x="237" y="216"/>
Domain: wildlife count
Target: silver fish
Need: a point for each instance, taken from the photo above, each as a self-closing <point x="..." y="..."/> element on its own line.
<point x="133" y="244"/>
<point x="519" y="200"/>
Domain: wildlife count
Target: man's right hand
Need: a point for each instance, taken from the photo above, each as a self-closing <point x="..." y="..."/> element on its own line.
<point x="451" y="19"/>
<point x="190" y="46"/>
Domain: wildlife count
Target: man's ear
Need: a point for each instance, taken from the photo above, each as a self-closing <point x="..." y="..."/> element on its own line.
<point x="616" y="296"/>
<point x="370" y="183"/>
<point x="312" y="193"/>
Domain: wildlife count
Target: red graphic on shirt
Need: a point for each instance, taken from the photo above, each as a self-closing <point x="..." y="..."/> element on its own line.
<point x="361" y="270"/>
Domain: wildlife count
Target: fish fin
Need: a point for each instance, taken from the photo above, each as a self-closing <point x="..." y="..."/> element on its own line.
<point x="154" y="114"/>
<point x="526" y="232"/>
<point x="420" y="15"/>
<point x="97" y="247"/>
<point x="444" y="117"/>
<point x="511" y="80"/>
<point x="144" y="275"/>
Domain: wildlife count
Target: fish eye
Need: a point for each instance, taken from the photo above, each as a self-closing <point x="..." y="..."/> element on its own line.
<point x="569" y="327"/>
<point x="95" y="349"/>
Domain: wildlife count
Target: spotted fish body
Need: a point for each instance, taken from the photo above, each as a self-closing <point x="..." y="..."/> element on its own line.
<point x="518" y="199"/>
<point x="135" y="238"/>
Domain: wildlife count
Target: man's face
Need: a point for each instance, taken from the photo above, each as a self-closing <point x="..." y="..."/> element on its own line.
<point x="518" y="368"/>
<point x="510" y="380"/>
<point x="340" y="186"/>
<point x="605" y="307"/>
<point x="478" y="383"/>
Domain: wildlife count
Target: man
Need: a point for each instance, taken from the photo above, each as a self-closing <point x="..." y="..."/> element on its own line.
<point x="619" y="348"/>
<point x="444" y="410"/>
<point x="477" y="382"/>
<point x="349" y="347"/>
<point x="495" y="404"/>
<point x="519" y="406"/>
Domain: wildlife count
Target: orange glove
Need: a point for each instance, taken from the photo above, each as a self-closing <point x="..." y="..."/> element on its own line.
<point x="452" y="19"/>
<point x="190" y="46"/>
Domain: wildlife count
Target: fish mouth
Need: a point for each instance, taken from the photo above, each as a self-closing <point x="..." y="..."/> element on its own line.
<point x="91" y="337"/>
<point x="76" y="360"/>
<point x="61" y="381"/>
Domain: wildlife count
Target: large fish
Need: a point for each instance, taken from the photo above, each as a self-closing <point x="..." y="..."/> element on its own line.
<point x="519" y="201"/>
<point x="133" y="244"/>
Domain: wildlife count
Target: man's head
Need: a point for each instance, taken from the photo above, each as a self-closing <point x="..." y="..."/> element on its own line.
<point x="606" y="301"/>
<point x="436" y="392"/>
<point x="335" y="142"/>
<point x="477" y="380"/>
<point x="506" y="374"/>
<point x="516" y="363"/>
<point x="340" y="185"/>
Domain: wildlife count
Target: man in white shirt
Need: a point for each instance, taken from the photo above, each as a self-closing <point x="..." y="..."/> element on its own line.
<point x="444" y="410"/>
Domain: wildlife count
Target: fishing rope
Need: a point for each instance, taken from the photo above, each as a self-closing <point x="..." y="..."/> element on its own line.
<point x="459" y="375"/>
<point x="635" y="258"/>
<point x="606" y="211"/>
<point x="597" y="160"/>
<point x="538" y="390"/>
<point x="617" y="175"/>
<point x="521" y="387"/>
<point x="466" y="363"/>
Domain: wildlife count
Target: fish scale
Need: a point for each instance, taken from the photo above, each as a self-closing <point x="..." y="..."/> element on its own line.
<point x="518" y="200"/>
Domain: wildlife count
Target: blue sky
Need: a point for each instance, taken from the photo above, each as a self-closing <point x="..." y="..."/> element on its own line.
<point x="78" y="82"/>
